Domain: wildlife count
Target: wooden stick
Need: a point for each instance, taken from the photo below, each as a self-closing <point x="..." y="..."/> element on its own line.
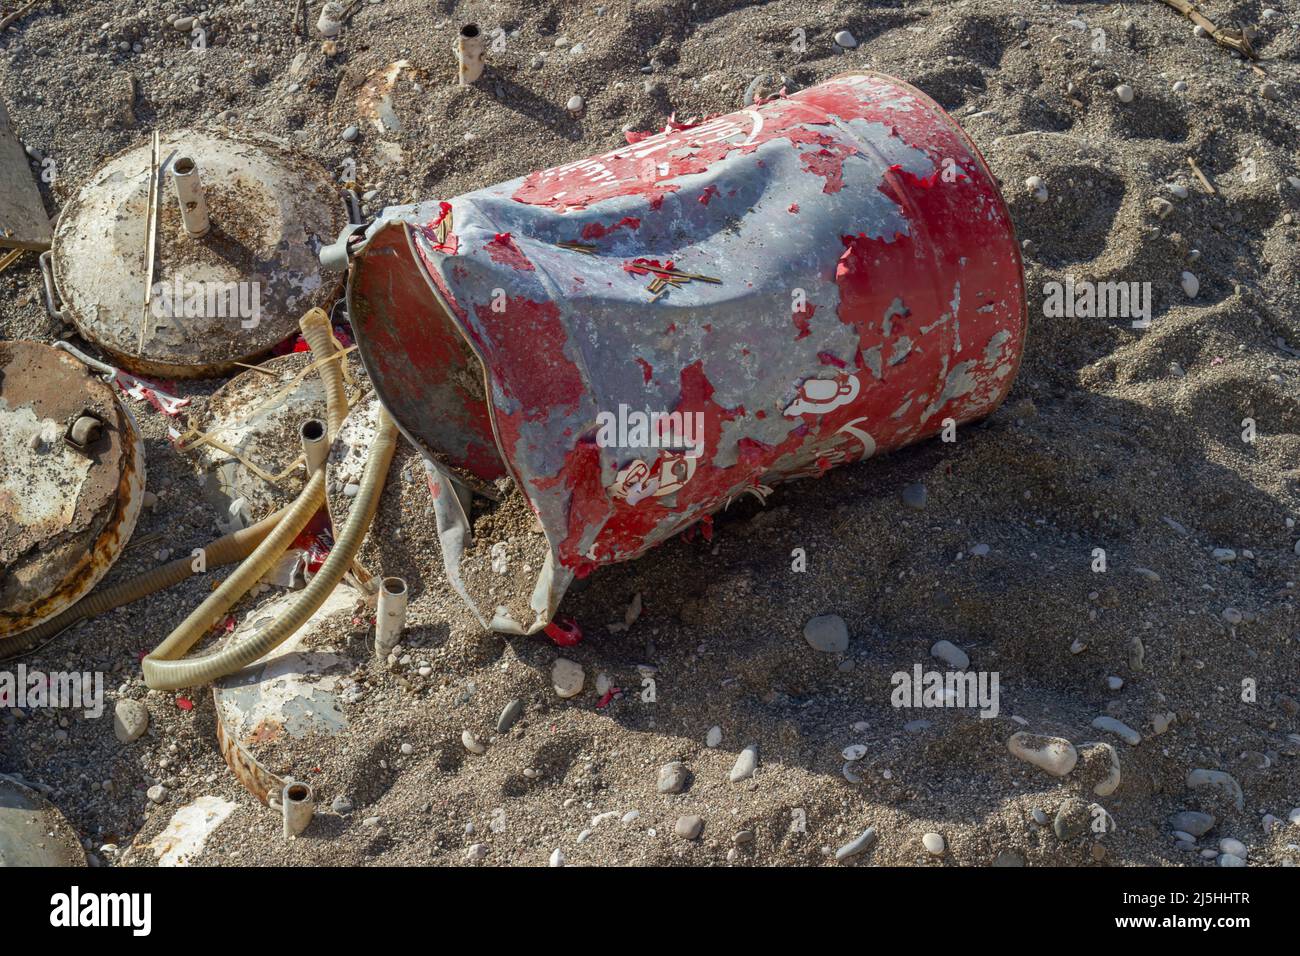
<point x="17" y="13"/>
<point x="9" y="259"/>
<point x="150" y="240"/>
<point x="1232" y="39"/>
<point x="1201" y="176"/>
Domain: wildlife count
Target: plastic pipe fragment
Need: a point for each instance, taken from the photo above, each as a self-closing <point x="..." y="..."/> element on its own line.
<point x="298" y="804"/>
<point x="470" y="53"/>
<point x="189" y="193"/>
<point x="390" y="617"/>
<point x="315" y="445"/>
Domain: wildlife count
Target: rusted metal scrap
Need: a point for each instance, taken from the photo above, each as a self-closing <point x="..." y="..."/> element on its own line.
<point x="24" y="224"/>
<point x="71" y="482"/>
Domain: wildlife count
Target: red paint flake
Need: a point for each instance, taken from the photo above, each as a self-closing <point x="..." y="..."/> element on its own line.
<point x="444" y="210"/>
<point x="829" y="164"/>
<point x="647" y="371"/>
<point x="565" y="633"/>
<point x="751" y="451"/>
<point x="801" y="320"/>
<point x="793" y="208"/>
<point x="596" y="230"/>
<point x="657" y="201"/>
<point x="184" y="703"/>
<point x="708" y="194"/>
<point x="503" y="250"/>
<point x="607" y="697"/>
<point x="830" y="358"/>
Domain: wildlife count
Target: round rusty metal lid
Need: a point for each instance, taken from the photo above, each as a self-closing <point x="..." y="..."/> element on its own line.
<point x="224" y="297"/>
<point x="71" y="482"/>
<point x="32" y="831"/>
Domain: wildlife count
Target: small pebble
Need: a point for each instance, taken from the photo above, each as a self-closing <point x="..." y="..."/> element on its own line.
<point x="1124" y="92"/>
<point x="471" y="742"/>
<point x="863" y="843"/>
<point x="933" y="844"/>
<point x="1118" y="728"/>
<point x="689" y="827"/>
<point x="130" y="720"/>
<point x="745" y="765"/>
<point x="672" y="778"/>
<point x="845" y="40"/>
<point x="913" y="496"/>
<point x="713" y="737"/>
<point x="827" y="633"/>
<point x="350" y="134"/>
<point x="567" y="678"/>
<point x="575" y="105"/>
<point x="1191" y="285"/>
<point x="1056" y="755"/>
<point x="1037" y="188"/>
<point x="950" y="654"/>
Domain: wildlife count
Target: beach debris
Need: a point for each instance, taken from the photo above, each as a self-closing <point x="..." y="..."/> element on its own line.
<point x="32" y="830"/>
<point x="1037" y="188"/>
<point x="567" y="678"/>
<point x="72" y="475"/>
<point x="24" y="224"/>
<point x="1233" y="39"/>
<point x="182" y="841"/>
<point x="470" y="54"/>
<point x="375" y="98"/>
<point x="214" y="300"/>
<point x="1201" y="177"/>
<point x="933" y="844"/>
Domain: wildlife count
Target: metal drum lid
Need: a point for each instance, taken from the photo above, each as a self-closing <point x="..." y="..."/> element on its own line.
<point x="32" y="831"/>
<point x="225" y="297"/>
<point x="71" y="482"/>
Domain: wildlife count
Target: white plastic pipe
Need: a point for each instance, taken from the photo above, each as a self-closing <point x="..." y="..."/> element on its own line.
<point x="390" y="616"/>
<point x="314" y="444"/>
<point x="298" y="804"/>
<point x="189" y="193"/>
<point x="470" y="53"/>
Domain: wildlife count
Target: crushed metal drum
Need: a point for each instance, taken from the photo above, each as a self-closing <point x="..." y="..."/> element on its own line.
<point x="72" y="476"/>
<point x="32" y="831"/>
<point x="24" y="224"/>
<point x="641" y="337"/>
<point x="273" y="712"/>
<point x="232" y="266"/>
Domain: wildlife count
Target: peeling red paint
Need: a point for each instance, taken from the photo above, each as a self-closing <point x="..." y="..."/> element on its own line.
<point x="502" y="249"/>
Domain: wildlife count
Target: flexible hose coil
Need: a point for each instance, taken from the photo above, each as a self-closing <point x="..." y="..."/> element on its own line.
<point x="164" y="673"/>
<point x="163" y="668"/>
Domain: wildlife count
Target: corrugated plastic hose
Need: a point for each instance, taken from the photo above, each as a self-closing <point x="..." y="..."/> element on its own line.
<point x="174" y="674"/>
<point x="225" y="550"/>
<point x="164" y="669"/>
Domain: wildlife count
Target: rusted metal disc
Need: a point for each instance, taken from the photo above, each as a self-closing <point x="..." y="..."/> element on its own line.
<point x="71" y="482"/>
<point x="272" y="714"/>
<point x="225" y="297"/>
<point x="252" y="431"/>
<point x="32" y="831"/>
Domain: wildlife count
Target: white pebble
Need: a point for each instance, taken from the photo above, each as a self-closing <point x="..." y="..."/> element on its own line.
<point x="845" y="40"/>
<point x="1124" y="92"/>
<point x="933" y="844"/>
<point x="1191" y="285"/>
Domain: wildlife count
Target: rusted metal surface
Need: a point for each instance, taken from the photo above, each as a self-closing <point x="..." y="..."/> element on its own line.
<point x="24" y="224"/>
<point x="66" y="509"/>
<point x="269" y="713"/>
<point x="226" y="297"/>
<point x="32" y="831"/>
<point x="816" y="279"/>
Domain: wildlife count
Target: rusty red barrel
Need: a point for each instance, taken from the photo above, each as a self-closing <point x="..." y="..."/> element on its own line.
<point x="640" y="336"/>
